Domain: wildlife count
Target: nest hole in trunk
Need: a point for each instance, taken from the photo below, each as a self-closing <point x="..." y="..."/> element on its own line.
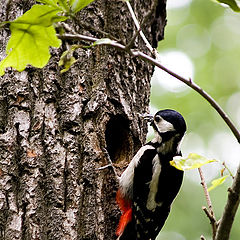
<point x="119" y="139"/>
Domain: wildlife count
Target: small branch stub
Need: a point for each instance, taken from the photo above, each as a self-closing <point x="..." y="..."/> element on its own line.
<point x="209" y="212"/>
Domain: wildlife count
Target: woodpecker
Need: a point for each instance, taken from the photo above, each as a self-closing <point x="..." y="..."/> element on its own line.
<point x="149" y="184"/>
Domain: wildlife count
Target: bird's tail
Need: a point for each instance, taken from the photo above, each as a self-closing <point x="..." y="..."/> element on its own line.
<point x="126" y="209"/>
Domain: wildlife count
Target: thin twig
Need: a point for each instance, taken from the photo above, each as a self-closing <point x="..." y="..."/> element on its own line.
<point x="80" y="37"/>
<point x="132" y="40"/>
<point x="213" y="221"/>
<point x="209" y="212"/>
<point x="229" y="171"/>
<point x="148" y="45"/>
<point x="110" y="163"/>
<point x="209" y="215"/>
<point x="206" y="193"/>
<point x="144" y="20"/>
<point x="194" y="86"/>
<point x="67" y="27"/>
<point x="105" y="166"/>
<point x="156" y="63"/>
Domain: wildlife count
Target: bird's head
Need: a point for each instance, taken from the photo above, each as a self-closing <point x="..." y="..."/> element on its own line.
<point x="169" y="127"/>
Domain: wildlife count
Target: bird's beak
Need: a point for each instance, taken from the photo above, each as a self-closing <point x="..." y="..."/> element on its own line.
<point x="147" y="117"/>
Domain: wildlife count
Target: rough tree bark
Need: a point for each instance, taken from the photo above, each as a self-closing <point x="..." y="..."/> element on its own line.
<point x="54" y="128"/>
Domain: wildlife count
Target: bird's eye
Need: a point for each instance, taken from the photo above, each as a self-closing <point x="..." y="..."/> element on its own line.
<point x="157" y="118"/>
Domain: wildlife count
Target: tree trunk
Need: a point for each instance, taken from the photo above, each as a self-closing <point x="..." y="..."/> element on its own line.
<point x="54" y="129"/>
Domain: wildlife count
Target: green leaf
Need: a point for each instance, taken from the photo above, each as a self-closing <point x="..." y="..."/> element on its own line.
<point x="191" y="162"/>
<point x="231" y="3"/>
<point x="67" y="64"/>
<point x="67" y="59"/>
<point x="60" y="4"/>
<point x="64" y="4"/>
<point x="43" y="15"/>
<point x="32" y="35"/>
<point x="77" y="5"/>
<point x="217" y="182"/>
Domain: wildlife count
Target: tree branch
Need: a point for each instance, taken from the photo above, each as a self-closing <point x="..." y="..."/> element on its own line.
<point x="206" y="193"/>
<point x="139" y="31"/>
<point x="195" y="87"/>
<point x="226" y="167"/>
<point x="80" y="37"/>
<point x="209" y="213"/>
<point x="156" y="63"/>
<point x="223" y="231"/>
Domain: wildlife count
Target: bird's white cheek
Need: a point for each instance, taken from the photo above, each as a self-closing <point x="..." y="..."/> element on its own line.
<point x="164" y="126"/>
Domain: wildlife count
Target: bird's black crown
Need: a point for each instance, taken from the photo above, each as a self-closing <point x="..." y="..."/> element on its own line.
<point x="173" y="117"/>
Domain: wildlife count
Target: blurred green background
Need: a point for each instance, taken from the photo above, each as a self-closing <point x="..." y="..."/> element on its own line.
<point x="202" y="42"/>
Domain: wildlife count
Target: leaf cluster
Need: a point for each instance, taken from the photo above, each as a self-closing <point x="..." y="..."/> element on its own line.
<point x="193" y="161"/>
<point x="33" y="33"/>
